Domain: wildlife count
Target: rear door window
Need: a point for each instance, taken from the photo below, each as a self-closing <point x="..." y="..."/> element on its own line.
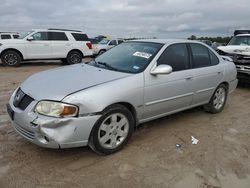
<point x="5" y="37"/>
<point x="58" y="36"/>
<point x="113" y="42"/>
<point x="80" y="37"/>
<point x="201" y="56"/>
<point x="176" y="56"/>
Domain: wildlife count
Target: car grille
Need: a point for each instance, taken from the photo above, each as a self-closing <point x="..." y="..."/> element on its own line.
<point x="243" y="68"/>
<point x="22" y="100"/>
<point x="24" y="132"/>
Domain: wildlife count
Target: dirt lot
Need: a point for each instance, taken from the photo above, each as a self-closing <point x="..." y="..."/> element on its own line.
<point x="220" y="159"/>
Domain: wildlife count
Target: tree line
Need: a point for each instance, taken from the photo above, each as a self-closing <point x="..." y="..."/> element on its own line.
<point x="222" y="40"/>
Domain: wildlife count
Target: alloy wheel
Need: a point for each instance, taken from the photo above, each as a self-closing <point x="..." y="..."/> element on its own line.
<point x="113" y="131"/>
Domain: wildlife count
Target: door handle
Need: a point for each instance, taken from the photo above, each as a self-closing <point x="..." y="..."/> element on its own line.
<point x="219" y="72"/>
<point x="189" y="78"/>
<point x="68" y="44"/>
<point x="46" y="44"/>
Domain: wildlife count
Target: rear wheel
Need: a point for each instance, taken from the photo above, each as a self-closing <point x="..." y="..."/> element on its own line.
<point x="11" y="58"/>
<point x="218" y="100"/>
<point x="101" y="52"/>
<point x="74" y="57"/>
<point x="112" y="131"/>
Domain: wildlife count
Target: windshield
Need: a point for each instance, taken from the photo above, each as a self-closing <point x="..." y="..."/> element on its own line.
<point x="130" y="57"/>
<point x="25" y="34"/>
<point x="240" y="40"/>
<point x="104" y="41"/>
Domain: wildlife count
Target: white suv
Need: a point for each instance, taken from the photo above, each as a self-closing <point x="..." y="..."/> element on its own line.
<point x="8" y="35"/>
<point x="70" y="46"/>
<point x="106" y="44"/>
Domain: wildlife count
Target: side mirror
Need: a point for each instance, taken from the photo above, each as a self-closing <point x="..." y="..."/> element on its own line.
<point x="161" y="69"/>
<point x="30" y="38"/>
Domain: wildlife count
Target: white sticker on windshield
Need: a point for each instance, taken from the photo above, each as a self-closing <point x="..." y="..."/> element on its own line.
<point x="136" y="67"/>
<point x="142" y="54"/>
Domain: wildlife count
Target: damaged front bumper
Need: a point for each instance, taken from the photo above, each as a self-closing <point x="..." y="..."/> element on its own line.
<point x="51" y="132"/>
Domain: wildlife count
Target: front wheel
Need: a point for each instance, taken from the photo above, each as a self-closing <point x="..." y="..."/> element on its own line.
<point x="11" y="58"/>
<point x="112" y="131"/>
<point x="74" y="57"/>
<point x="218" y="100"/>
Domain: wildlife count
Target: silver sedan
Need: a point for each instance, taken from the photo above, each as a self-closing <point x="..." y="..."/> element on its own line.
<point x="100" y="104"/>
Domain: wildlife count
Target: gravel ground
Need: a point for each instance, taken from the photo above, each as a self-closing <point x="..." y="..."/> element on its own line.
<point x="151" y="159"/>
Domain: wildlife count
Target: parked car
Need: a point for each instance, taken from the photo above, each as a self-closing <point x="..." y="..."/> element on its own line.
<point x="100" y="38"/>
<point x="70" y="46"/>
<point x="239" y="50"/>
<point x="107" y="44"/>
<point x="94" y="43"/>
<point x="8" y="35"/>
<point x="100" y="104"/>
<point x="207" y="42"/>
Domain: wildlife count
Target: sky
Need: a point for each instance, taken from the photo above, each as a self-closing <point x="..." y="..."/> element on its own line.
<point x="128" y="18"/>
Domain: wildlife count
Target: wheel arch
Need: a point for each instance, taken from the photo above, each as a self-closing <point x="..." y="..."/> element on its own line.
<point x="12" y="49"/>
<point x="224" y="83"/>
<point x="75" y="50"/>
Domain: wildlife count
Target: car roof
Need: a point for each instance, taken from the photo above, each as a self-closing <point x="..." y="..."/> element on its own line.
<point x="243" y="35"/>
<point x="167" y="41"/>
<point x="56" y="30"/>
<point x="9" y="33"/>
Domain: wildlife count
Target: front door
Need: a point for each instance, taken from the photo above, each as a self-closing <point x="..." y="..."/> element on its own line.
<point x="164" y="94"/>
<point x="39" y="47"/>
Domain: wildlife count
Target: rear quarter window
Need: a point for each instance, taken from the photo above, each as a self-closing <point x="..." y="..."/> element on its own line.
<point x="214" y="59"/>
<point x="80" y="37"/>
<point x="5" y="37"/>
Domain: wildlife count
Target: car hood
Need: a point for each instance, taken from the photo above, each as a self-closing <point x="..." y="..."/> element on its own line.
<point x="236" y="49"/>
<point x="58" y="83"/>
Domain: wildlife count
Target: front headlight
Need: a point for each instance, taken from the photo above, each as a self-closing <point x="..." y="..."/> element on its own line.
<point x="56" y="109"/>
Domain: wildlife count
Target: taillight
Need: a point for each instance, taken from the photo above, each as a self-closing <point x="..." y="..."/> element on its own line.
<point x="89" y="45"/>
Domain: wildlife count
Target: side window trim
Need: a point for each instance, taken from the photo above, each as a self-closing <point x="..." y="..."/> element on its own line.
<point x="188" y="53"/>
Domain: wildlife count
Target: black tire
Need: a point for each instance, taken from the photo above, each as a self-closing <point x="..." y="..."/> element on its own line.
<point x="101" y="52"/>
<point x="11" y="58"/>
<point x="74" y="57"/>
<point x="94" y="141"/>
<point x="214" y="106"/>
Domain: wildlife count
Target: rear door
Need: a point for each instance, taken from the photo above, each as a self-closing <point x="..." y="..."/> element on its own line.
<point x="60" y="44"/>
<point x="208" y="72"/>
<point x="39" y="47"/>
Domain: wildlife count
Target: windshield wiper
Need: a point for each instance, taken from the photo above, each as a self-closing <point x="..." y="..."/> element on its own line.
<point x="106" y="65"/>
